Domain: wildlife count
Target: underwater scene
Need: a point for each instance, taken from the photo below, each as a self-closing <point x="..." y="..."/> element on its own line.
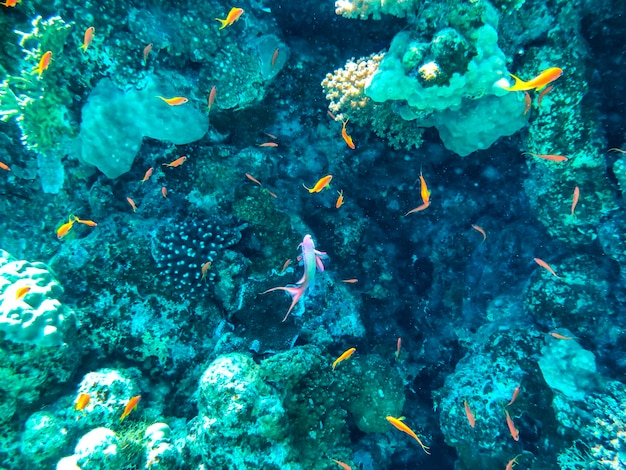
<point x="312" y="235"/>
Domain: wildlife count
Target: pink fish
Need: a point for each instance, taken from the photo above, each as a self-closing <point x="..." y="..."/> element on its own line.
<point x="312" y="261"/>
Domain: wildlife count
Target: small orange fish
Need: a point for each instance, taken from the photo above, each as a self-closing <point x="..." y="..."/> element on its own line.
<point x="527" y="102"/>
<point x="575" y="197"/>
<point x="350" y="281"/>
<point x="212" y="97"/>
<point x="130" y="406"/>
<point x="515" y="394"/>
<point x="537" y="83"/>
<point x="331" y="115"/>
<point x="512" y="429"/>
<point x="253" y="179"/>
<point x="268" y="144"/>
<point x="345" y="355"/>
<point x="321" y="184"/>
<point x="4" y="166"/>
<point x="552" y="158"/>
<point x="89" y="223"/>
<point x="146" y="53"/>
<point x="147" y="176"/>
<point x="205" y="267"/>
<point x="44" y="63"/>
<point x="285" y="265"/>
<point x="546" y="266"/>
<point x="132" y="204"/>
<point x="542" y="94"/>
<point x="398" y="424"/>
<point x="470" y="416"/>
<point x="64" y="229"/>
<point x="424" y="193"/>
<point x="513" y="461"/>
<point x="88" y="38"/>
<point x="398" y="348"/>
<point x="345" y="135"/>
<point x="10" y="3"/>
<point x="233" y="15"/>
<point x="177" y="162"/>
<point x="175" y="101"/>
<point x="275" y="56"/>
<point x="81" y="402"/>
<point x="164" y="191"/>
<point x="481" y="231"/>
<point x="560" y="336"/>
<point x="271" y="193"/>
<point x="21" y="292"/>
<point x="339" y="202"/>
<point x="345" y="466"/>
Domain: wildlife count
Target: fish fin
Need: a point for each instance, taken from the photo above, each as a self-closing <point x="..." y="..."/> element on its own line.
<point x="517" y="86"/>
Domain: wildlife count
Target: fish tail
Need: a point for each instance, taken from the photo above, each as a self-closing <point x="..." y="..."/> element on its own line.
<point x="308" y="189"/>
<point x="519" y="84"/>
<point x="224" y="22"/>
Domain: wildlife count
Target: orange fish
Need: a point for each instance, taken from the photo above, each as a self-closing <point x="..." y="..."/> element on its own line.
<point x="546" y="266"/>
<point x="515" y="394"/>
<point x="470" y="416"/>
<point x="177" y="162"/>
<point x="339" y="202"/>
<point x="132" y="204"/>
<point x="4" y="166"/>
<point x="345" y="135"/>
<point x="537" y="83"/>
<point x="331" y="115"/>
<point x="542" y="94"/>
<point x="21" y="292"/>
<point x="398" y="348"/>
<point x="64" y="229"/>
<point x="575" y="197"/>
<point x="350" y="281"/>
<point x="268" y="144"/>
<point x="82" y="401"/>
<point x="398" y="424"/>
<point x="481" y="231"/>
<point x="527" y="102"/>
<point x="88" y="38"/>
<point x="44" y="63"/>
<point x="346" y="354"/>
<point x="512" y="429"/>
<point x="560" y="336"/>
<point x="552" y="158"/>
<point x="513" y="461"/>
<point x="233" y="15"/>
<point x="89" y="223"/>
<point x="424" y="193"/>
<point x="205" y="267"/>
<point x="275" y="56"/>
<point x="285" y="265"/>
<point x="175" y="101"/>
<point x="130" y="406"/>
<point x="253" y="179"/>
<point x="148" y="174"/>
<point x="146" y="53"/>
<point x="212" y="97"/>
<point x="321" y="184"/>
<point x="345" y="466"/>
<point x="10" y="3"/>
<point x="163" y="191"/>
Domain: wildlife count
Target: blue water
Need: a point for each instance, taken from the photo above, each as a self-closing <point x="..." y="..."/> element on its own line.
<point x="445" y="291"/>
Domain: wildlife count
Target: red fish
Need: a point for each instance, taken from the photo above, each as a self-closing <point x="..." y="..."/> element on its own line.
<point x="212" y="97"/>
<point x="175" y="101"/>
<point x="177" y="162"/>
<point x="542" y="94"/>
<point x="130" y="406"/>
<point x="147" y="175"/>
<point x="88" y="38"/>
<point x="44" y="63"/>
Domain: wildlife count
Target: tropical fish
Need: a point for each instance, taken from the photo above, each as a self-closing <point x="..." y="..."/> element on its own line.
<point x="147" y="175"/>
<point x="527" y="102"/>
<point x="398" y="424"/>
<point x="130" y="406"/>
<point x="560" y="336"/>
<point x="89" y="223"/>
<point x="205" y="268"/>
<point x="82" y="401"/>
<point x="146" y="53"/>
<point x="470" y="416"/>
<point x="44" y="63"/>
<point x="350" y="281"/>
<point x="345" y="355"/>
<point x="552" y="158"/>
<point x="345" y="466"/>
<point x="339" y="202"/>
<point x="546" y="266"/>
<point x="542" y="94"/>
<point x="4" y="166"/>
<point x="285" y="265"/>
<point x="515" y="394"/>
<point x="10" y="3"/>
<point x="164" y="191"/>
<point x="275" y="56"/>
<point x="512" y="429"/>
<point x="312" y="262"/>
<point x="233" y="15"/>
<point x="480" y="230"/>
<point x="88" y="38"/>
<point x="346" y="137"/>
<point x="268" y="144"/>
<point x="398" y="348"/>
<point x="537" y="83"/>
<point x="575" y="197"/>
<point x="513" y="461"/>
<point x="212" y="95"/>
<point x="424" y="193"/>
<point x="175" y="101"/>
<point x="21" y="292"/>
<point x="132" y="204"/>
<point x="321" y="184"/>
<point x="64" y="229"/>
<point x="178" y="162"/>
